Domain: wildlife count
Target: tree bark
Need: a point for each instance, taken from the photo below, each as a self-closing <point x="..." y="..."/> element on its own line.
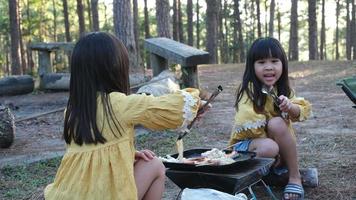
<point x="353" y="31"/>
<point x="271" y="19"/>
<point x="337" y="53"/>
<point x="279" y="24"/>
<point x="239" y="55"/>
<point x="15" y="37"/>
<point x="135" y="24"/>
<point x="190" y="22"/>
<point x="175" y="21"/>
<point x="313" y="30"/>
<point x="163" y="18"/>
<point x="348" y="31"/>
<point x="322" y="32"/>
<point x="211" y="29"/>
<point x="89" y="14"/>
<point x="198" y="26"/>
<point x="123" y="25"/>
<point x="66" y="20"/>
<point x="293" y="52"/>
<point x="95" y="14"/>
<point x="22" y="47"/>
<point x="147" y="34"/>
<point x="258" y="16"/>
<point x="80" y="13"/>
<point x="180" y="23"/>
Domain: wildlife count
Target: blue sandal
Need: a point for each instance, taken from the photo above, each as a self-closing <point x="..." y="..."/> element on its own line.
<point x="292" y="188"/>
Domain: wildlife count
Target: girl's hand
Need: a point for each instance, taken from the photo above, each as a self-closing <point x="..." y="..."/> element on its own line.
<point x="144" y="154"/>
<point x="286" y="104"/>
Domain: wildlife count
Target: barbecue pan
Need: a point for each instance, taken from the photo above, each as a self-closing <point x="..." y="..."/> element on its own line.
<point x="240" y="161"/>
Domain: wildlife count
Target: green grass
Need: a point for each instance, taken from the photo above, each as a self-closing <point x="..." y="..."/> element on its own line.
<point x="21" y="181"/>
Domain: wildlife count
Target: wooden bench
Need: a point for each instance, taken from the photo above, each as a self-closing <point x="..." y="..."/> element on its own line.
<point x="163" y="51"/>
<point x="48" y="79"/>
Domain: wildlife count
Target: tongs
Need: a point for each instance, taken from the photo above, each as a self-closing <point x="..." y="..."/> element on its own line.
<point x="201" y="110"/>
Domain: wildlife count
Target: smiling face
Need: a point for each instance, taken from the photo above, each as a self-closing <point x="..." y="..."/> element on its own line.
<point x="268" y="70"/>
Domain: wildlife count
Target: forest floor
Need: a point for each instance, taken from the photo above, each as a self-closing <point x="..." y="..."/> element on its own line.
<point x="326" y="141"/>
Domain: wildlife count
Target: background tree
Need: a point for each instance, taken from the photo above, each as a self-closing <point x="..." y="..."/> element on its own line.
<point x="348" y="31"/>
<point x="66" y="20"/>
<point x="180" y="23"/>
<point x="163" y="18"/>
<point x="239" y="55"/>
<point x="15" y="37"/>
<point x="293" y="53"/>
<point x="123" y="25"/>
<point x="135" y="24"/>
<point x="271" y="19"/>
<point x="190" y="22"/>
<point x="337" y="53"/>
<point x="198" y="26"/>
<point x="353" y="29"/>
<point x="95" y="14"/>
<point x="211" y="29"/>
<point x="258" y="17"/>
<point x="80" y="12"/>
<point x="322" y="32"/>
<point x="175" y="21"/>
<point x="313" y="30"/>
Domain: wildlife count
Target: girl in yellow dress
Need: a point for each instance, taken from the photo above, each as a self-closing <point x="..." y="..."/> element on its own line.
<point x="101" y="161"/>
<point x="263" y="121"/>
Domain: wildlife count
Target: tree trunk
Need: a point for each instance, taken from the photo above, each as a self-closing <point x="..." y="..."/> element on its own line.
<point x="198" y="26"/>
<point x="239" y="55"/>
<point x="175" y="21"/>
<point x="7" y="125"/>
<point x="226" y="41"/>
<point x="348" y="31"/>
<point x="279" y="24"/>
<point x="353" y="32"/>
<point x="271" y="19"/>
<point x="313" y="30"/>
<point x="136" y="27"/>
<point x="147" y="34"/>
<point x="123" y="25"/>
<point x="80" y="13"/>
<point x="322" y="32"/>
<point x="258" y="16"/>
<point x="89" y="15"/>
<point x="95" y="14"/>
<point x="22" y="48"/>
<point x="293" y="52"/>
<point x="15" y="37"/>
<point x="211" y="29"/>
<point x="337" y="53"/>
<point x="190" y="22"/>
<point x="66" y="20"/>
<point x="180" y="23"/>
<point x="163" y="18"/>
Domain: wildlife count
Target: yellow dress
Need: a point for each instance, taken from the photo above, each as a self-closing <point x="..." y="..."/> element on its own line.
<point x="105" y="171"/>
<point x="249" y="124"/>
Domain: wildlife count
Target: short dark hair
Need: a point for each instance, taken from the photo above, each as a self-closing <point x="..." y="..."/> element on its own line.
<point x="262" y="48"/>
<point x="99" y="65"/>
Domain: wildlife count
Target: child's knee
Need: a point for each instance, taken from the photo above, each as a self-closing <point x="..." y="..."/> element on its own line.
<point x="269" y="149"/>
<point x="158" y="165"/>
<point x="277" y="125"/>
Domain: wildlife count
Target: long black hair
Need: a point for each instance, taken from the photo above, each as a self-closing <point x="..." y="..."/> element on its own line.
<point x="262" y="48"/>
<point x="99" y="65"/>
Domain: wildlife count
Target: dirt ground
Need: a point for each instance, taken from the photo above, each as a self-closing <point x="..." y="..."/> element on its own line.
<point x="325" y="141"/>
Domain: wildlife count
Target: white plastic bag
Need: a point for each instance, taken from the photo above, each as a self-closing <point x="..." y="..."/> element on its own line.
<point x="209" y="194"/>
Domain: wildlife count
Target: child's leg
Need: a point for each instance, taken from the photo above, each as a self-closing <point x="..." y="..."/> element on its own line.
<point x="264" y="147"/>
<point x="279" y="132"/>
<point x="150" y="178"/>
